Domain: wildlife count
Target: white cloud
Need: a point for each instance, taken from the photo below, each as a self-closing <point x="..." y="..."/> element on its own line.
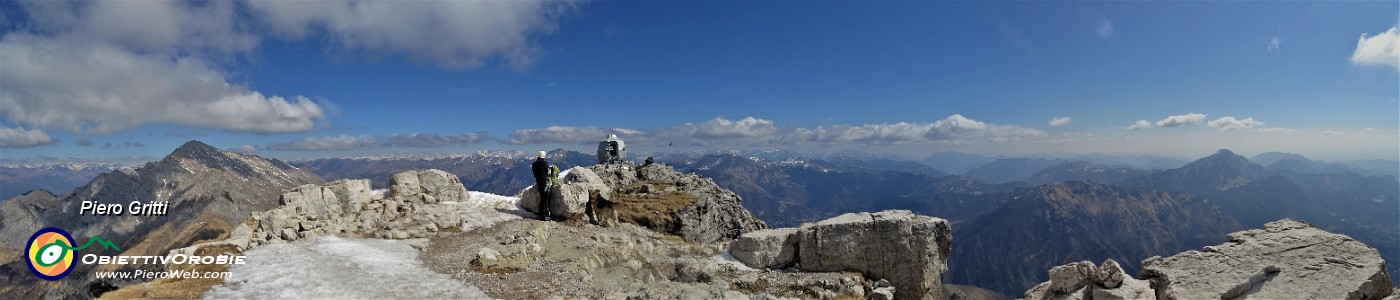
<point x="147" y="26"/>
<point x="568" y="135"/>
<point x="1141" y="124"/>
<point x="450" y="34"/>
<point x="714" y="130"/>
<point x="721" y="128"/>
<point x="109" y="66"/>
<point x="1230" y="123"/>
<point x="1191" y="119"/>
<point x="954" y="127"/>
<point x="429" y="140"/>
<point x="1362" y="131"/>
<point x="1077" y="134"/>
<point x="22" y="138"/>
<point x="1382" y="49"/>
<point x="1060" y="121"/>
<point x="248" y="149"/>
<point x="1274" y="44"/>
<point x="330" y="143"/>
<point x="757" y="131"/>
<point x="348" y="142"/>
<point x="81" y="86"/>
<point x="1105" y="29"/>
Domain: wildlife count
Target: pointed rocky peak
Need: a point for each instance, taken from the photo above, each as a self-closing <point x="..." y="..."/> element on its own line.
<point x="197" y="150"/>
<point x="39" y="193"/>
<point x="1224" y="161"/>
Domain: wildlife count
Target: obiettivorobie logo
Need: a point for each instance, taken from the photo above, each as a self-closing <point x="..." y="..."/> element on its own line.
<point x="51" y="255"/>
<point x="50" y="252"/>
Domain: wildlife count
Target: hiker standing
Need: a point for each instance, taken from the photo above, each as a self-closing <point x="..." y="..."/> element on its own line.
<point x="541" y="171"/>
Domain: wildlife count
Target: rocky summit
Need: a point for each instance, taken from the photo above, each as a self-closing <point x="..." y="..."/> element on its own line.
<point x="1286" y="259"/>
<point x="657" y="197"/>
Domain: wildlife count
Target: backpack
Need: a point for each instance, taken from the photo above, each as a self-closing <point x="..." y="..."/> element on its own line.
<point x="553" y="175"/>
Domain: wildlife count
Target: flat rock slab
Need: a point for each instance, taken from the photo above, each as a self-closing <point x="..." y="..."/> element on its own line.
<point x="1285" y="260"/>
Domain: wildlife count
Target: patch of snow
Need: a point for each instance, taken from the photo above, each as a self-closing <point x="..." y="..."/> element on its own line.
<point x="489" y="209"/>
<point x="725" y="259"/>
<point x="339" y="268"/>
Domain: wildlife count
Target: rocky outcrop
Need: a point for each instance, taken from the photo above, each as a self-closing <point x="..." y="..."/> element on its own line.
<point x="768" y="248"/>
<point x="428" y="186"/>
<point x="22" y="215"/>
<point x="418" y="204"/>
<point x="572" y="197"/>
<point x="911" y="251"/>
<point x="657" y="197"/>
<point x="1285" y="259"/>
<point x="1083" y="280"/>
<point x="908" y="251"/>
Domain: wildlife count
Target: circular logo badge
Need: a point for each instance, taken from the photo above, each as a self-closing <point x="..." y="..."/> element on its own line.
<point x="50" y="253"/>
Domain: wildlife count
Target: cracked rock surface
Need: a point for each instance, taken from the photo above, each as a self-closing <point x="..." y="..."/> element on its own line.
<point x="1285" y="260"/>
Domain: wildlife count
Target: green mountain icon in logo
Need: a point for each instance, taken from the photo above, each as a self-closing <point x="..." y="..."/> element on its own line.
<point x="106" y="244"/>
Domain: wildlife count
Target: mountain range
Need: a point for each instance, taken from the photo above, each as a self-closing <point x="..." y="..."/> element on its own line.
<point x="1050" y="212"/>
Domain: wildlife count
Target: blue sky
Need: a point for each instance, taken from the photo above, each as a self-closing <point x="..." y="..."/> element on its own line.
<point x="908" y="78"/>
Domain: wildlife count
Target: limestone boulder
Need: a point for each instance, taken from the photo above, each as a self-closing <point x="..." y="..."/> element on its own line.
<point x="312" y="201"/>
<point x="768" y="248"/>
<point x="911" y="251"/>
<point x="1083" y="280"/>
<point x="404" y="184"/>
<point x="1285" y="260"/>
<point x="442" y="185"/>
<point x="427" y="186"/>
<point x="571" y="197"/>
<point x="353" y="194"/>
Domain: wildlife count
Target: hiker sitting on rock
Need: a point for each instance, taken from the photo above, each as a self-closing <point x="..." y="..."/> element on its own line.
<point x="541" y="170"/>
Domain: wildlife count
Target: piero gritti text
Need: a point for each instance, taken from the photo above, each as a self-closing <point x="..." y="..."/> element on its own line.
<point x="135" y="208"/>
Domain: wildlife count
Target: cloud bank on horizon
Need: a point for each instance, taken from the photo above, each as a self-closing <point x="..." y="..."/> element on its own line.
<point x="336" y="76"/>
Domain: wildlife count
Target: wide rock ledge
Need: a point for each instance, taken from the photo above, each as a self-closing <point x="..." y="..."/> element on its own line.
<point x="1285" y="260"/>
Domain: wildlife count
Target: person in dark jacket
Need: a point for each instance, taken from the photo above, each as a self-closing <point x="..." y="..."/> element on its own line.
<point x="541" y="171"/>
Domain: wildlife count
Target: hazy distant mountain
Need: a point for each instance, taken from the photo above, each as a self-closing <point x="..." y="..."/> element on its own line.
<point x="1221" y="171"/>
<point x="1280" y="161"/>
<point x="1011" y="169"/>
<point x="1306" y="167"/>
<point x="883" y="164"/>
<point x="1146" y="162"/>
<point x="1374" y="167"/>
<point x="956" y="162"/>
<point x="20" y="179"/>
<point x="786" y="193"/>
<point x="1083" y="170"/>
<point x="496" y="173"/>
<point x="1269" y="158"/>
<point x="1009" y="249"/>
<point x="1266" y="200"/>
